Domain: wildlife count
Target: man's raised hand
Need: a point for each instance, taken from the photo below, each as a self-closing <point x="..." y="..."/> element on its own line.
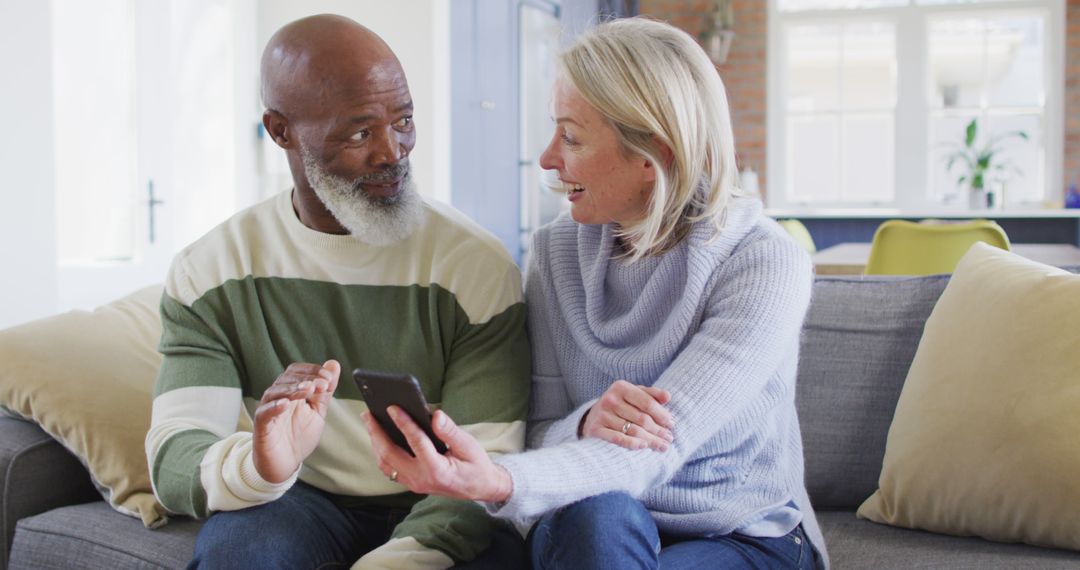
<point x="291" y="416"/>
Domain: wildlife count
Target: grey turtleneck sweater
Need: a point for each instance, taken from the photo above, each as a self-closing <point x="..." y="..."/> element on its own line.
<point x="716" y="323"/>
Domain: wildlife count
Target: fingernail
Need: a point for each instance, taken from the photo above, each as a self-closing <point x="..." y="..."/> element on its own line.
<point x="303" y="385"/>
<point x="441" y="419"/>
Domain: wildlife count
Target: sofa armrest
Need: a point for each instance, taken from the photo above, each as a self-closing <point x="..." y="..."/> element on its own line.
<point x="36" y="475"/>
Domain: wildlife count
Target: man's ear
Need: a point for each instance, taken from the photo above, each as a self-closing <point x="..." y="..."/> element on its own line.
<point x="277" y="128"/>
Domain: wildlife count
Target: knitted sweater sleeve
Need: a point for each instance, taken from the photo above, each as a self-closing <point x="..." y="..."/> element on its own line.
<point x="550" y="419"/>
<point x="751" y="323"/>
<point x="198" y="462"/>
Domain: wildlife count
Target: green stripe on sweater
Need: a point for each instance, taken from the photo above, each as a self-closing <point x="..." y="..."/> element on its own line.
<point x="179" y="487"/>
<point x="265" y="324"/>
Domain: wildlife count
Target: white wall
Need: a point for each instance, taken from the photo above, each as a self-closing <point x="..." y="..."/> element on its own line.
<point x="419" y="33"/>
<point x="27" y="226"/>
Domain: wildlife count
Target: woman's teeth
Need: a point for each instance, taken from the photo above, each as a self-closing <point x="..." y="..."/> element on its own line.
<point x="574" y="188"/>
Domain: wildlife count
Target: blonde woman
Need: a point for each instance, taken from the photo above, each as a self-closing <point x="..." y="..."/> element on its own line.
<point x="664" y="316"/>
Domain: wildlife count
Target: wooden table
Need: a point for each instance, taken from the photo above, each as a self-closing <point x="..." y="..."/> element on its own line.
<point x="850" y="258"/>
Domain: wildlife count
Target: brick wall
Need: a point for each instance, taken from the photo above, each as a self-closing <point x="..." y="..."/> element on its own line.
<point x="744" y="74"/>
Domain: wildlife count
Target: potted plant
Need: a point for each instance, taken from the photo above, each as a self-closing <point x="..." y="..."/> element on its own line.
<point x="980" y="166"/>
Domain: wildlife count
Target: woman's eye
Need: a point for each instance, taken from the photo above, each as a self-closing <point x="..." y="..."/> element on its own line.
<point x="569" y="141"/>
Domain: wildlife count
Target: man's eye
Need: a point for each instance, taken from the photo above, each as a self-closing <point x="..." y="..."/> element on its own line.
<point x="361" y="135"/>
<point x="404" y="122"/>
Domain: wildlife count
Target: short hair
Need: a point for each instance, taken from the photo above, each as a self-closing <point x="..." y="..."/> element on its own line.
<point x="654" y="84"/>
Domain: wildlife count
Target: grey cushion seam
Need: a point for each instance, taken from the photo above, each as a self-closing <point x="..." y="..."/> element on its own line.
<point x="7" y="482"/>
<point x="95" y="543"/>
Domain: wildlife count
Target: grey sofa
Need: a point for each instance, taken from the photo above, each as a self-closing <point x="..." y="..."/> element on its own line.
<point x="858" y="342"/>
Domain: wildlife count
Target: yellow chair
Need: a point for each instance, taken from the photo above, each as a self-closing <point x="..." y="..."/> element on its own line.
<point x="901" y="247"/>
<point x="800" y="233"/>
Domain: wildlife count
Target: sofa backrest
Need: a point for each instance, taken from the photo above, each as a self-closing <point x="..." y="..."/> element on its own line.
<point x="858" y="341"/>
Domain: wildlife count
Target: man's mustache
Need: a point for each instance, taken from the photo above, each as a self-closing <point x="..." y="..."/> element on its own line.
<point x="388" y="174"/>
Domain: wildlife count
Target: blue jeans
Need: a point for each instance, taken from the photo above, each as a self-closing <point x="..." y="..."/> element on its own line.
<point x="615" y="531"/>
<point x="306" y="529"/>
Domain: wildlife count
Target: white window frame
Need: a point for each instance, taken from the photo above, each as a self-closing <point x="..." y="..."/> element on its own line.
<point x="912" y="169"/>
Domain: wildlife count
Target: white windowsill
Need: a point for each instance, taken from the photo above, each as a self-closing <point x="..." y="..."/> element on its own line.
<point x="825" y="213"/>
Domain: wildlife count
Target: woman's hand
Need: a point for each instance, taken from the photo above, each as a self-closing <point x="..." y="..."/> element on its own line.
<point x="631" y="416"/>
<point x="464" y="472"/>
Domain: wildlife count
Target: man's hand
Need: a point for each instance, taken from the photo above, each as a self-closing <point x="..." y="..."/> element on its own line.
<point x="464" y="472"/>
<point x="631" y="416"/>
<point x="290" y="418"/>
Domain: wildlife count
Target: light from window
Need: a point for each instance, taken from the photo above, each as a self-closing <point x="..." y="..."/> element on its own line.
<point x="991" y="68"/>
<point x="94" y="129"/>
<point x="841" y="95"/>
<point x="867" y="95"/>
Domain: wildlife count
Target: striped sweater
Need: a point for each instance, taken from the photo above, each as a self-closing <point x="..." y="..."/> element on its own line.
<point x="716" y="323"/>
<point x="262" y="291"/>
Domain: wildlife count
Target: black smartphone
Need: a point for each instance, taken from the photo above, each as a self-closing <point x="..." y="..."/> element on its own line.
<point x="383" y="389"/>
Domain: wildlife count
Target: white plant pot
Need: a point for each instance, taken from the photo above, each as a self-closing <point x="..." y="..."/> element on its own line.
<point x="977" y="199"/>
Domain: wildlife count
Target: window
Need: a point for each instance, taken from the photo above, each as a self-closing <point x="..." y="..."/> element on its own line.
<point x="865" y="96"/>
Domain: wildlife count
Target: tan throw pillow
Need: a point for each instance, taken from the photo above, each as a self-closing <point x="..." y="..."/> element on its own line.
<point x="986" y="436"/>
<point x="87" y="378"/>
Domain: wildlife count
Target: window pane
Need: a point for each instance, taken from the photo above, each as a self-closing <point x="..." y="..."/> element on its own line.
<point x="813" y="156"/>
<point x="987" y="61"/>
<point x="813" y="56"/>
<point x="1023" y="160"/>
<point x="944" y="2"/>
<point x="868" y="158"/>
<point x="1023" y="177"/>
<point x="93" y="75"/>
<point x="1019" y="79"/>
<point x="869" y="78"/>
<point x="946" y="132"/>
<point x="799" y="5"/>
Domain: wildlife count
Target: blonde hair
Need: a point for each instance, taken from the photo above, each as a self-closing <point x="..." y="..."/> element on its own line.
<point x="656" y="87"/>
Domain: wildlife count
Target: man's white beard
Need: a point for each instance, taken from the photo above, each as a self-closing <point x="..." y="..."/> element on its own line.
<point x="370" y="219"/>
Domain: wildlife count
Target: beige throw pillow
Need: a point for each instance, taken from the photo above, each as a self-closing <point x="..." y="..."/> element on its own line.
<point x="87" y="378"/>
<point x="986" y="436"/>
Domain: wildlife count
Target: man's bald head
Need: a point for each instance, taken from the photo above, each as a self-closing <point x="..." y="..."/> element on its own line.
<point x="315" y="58"/>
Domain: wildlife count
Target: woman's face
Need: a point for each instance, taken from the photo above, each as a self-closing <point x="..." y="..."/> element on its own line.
<point x="603" y="184"/>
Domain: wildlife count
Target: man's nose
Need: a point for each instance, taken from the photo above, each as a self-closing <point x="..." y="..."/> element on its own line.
<point x="388" y="148"/>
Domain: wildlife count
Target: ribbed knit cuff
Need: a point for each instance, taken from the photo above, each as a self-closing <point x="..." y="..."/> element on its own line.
<point x="249" y="475"/>
<point x="566" y="429"/>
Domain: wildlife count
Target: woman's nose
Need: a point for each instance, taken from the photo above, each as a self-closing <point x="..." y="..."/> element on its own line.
<point x="549" y="158"/>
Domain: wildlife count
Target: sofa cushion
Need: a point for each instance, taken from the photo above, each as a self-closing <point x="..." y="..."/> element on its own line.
<point x="87" y="379"/>
<point x="93" y="536"/>
<point x="857" y="543"/>
<point x="984" y="440"/>
<point x="858" y="339"/>
<point x="36" y="474"/>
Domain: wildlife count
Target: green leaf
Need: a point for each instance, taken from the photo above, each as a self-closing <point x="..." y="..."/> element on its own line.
<point x="971" y="130"/>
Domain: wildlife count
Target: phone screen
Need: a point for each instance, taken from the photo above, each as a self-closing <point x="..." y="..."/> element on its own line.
<point x="382" y="390"/>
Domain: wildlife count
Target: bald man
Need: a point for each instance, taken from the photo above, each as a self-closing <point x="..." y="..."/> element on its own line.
<point x="349" y="269"/>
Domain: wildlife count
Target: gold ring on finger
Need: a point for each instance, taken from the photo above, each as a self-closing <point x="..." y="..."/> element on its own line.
<point x="626" y="427"/>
